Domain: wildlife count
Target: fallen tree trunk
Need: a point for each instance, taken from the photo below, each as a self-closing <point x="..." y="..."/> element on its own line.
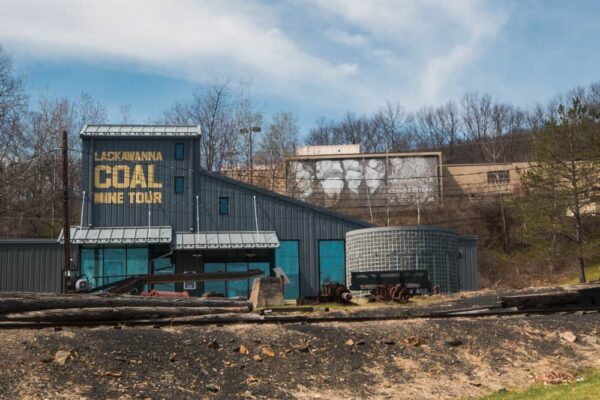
<point x="35" y="303"/>
<point x="119" y="313"/>
<point x="213" y="318"/>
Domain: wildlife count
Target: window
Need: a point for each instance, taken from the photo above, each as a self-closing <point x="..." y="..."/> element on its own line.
<point x="223" y="205"/>
<point x="501" y="176"/>
<point x="179" y="184"/>
<point x="179" y="151"/>
<point x="105" y="265"/>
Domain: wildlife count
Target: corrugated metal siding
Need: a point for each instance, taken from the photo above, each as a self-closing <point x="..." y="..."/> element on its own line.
<point x="469" y="278"/>
<point x="176" y="210"/>
<point x="31" y="266"/>
<point x="290" y="219"/>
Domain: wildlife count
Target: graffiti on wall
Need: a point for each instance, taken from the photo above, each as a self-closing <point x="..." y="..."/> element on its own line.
<point x="374" y="181"/>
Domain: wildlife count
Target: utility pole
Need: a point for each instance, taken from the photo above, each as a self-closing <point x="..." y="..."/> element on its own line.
<point x="249" y="131"/>
<point x="66" y="225"/>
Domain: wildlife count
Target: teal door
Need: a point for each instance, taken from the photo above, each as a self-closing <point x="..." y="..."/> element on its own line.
<point x="239" y="287"/>
<point x="287" y="258"/>
<point x="332" y="261"/>
<point x="215" y="286"/>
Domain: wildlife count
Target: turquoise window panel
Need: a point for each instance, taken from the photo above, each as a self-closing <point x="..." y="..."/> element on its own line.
<point x="179" y="151"/>
<point x="106" y="265"/>
<point x="264" y="266"/>
<point x="179" y="184"/>
<point x="223" y="205"/>
<point x="215" y="286"/>
<point x="114" y="264"/>
<point x="164" y="266"/>
<point x="287" y="258"/>
<point x="332" y="261"/>
<point x="240" y="287"/>
<point x="137" y="261"/>
<point x="92" y="266"/>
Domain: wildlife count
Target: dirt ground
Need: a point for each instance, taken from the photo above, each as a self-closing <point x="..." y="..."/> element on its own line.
<point x="416" y="359"/>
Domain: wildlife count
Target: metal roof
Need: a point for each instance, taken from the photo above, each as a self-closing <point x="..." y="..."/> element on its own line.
<point x="140" y="130"/>
<point x="124" y="235"/>
<point x="226" y="240"/>
<point x="287" y="199"/>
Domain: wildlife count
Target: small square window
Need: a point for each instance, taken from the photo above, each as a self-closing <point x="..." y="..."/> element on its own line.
<point x="223" y="205"/>
<point x="179" y="184"/>
<point x="501" y="176"/>
<point x="179" y="151"/>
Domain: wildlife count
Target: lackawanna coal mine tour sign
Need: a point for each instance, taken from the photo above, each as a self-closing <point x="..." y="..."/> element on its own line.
<point x="131" y="181"/>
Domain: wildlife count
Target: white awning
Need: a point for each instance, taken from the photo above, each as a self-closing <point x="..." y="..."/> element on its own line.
<point x="226" y="240"/>
<point x="121" y="235"/>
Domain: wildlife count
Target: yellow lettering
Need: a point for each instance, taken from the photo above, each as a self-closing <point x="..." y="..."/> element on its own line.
<point x="102" y="181"/>
<point x="108" y="198"/>
<point x="157" y="197"/>
<point x="138" y="178"/>
<point x="116" y="182"/>
<point x="151" y="183"/>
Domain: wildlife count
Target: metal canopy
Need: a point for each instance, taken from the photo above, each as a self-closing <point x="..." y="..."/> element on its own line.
<point x="140" y="130"/>
<point x="125" y="235"/>
<point x="226" y="240"/>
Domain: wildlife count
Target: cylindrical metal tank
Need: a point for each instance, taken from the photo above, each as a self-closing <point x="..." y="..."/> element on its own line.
<point x="468" y="262"/>
<point x="428" y="248"/>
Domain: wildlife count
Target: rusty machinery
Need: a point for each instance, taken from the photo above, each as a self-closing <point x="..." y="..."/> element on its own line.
<point x="335" y="292"/>
<point x="392" y="285"/>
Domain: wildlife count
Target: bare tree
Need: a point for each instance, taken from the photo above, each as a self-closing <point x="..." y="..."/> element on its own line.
<point x="393" y="130"/>
<point x="279" y="141"/>
<point x="13" y="102"/>
<point x="321" y="134"/>
<point x="213" y="108"/>
<point x="439" y="128"/>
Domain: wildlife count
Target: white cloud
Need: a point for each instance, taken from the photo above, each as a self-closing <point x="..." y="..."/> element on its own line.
<point x="346" y="38"/>
<point x="405" y="50"/>
<point x="437" y="38"/>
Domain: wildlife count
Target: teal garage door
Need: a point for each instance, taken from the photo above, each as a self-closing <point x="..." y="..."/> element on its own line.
<point x="287" y="258"/>
<point x="332" y="261"/>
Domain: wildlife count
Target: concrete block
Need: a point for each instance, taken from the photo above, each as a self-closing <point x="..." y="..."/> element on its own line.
<point x="266" y="292"/>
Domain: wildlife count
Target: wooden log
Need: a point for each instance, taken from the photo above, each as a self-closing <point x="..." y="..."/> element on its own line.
<point x="118" y="313"/>
<point x="212" y="318"/>
<point x="540" y="300"/>
<point x="34" y="303"/>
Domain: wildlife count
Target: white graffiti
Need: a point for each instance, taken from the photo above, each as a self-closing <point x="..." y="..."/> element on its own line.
<point x="398" y="180"/>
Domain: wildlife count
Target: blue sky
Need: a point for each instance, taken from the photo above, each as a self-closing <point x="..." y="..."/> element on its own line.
<point x="314" y="57"/>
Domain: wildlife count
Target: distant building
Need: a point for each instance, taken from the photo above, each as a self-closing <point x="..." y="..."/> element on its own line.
<point x="365" y="180"/>
<point x="328" y="150"/>
<point x="482" y="180"/>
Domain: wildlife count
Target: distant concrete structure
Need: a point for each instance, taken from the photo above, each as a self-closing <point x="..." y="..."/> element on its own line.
<point x="328" y="150"/>
<point x="366" y="180"/>
<point x="483" y="179"/>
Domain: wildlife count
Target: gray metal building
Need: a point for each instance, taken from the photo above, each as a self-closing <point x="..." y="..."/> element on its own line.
<point x="31" y="266"/>
<point x="148" y="207"/>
